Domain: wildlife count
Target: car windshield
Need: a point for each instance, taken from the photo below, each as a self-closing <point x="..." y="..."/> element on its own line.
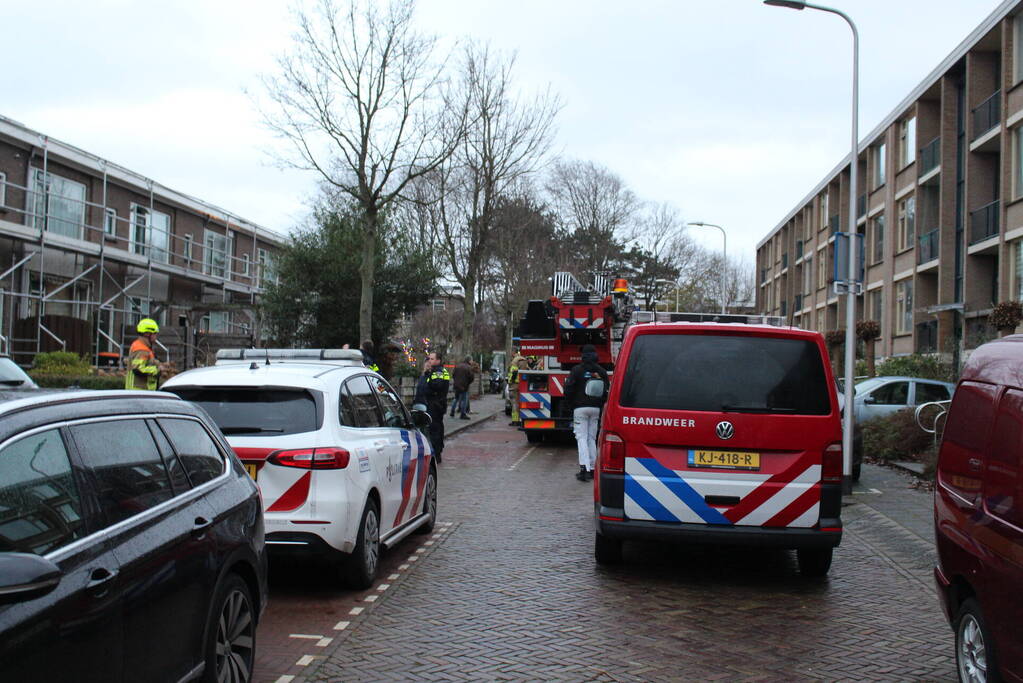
<point x="726" y="373"/>
<point x="257" y="411"/>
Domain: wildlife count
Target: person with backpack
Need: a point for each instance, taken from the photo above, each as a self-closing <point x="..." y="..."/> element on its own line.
<point x="586" y="391"/>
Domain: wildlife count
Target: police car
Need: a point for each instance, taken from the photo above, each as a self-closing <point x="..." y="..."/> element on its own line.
<point x="341" y="464"/>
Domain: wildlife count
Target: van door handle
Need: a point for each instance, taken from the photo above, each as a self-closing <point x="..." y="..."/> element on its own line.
<point x="202" y="525"/>
<point x="974" y="463"/>
<point x="100" y="576"/>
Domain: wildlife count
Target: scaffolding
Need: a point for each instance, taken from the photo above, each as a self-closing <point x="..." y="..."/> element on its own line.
<point x="78" y="268"/>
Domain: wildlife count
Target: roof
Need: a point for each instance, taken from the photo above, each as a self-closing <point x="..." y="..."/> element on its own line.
<point x="307" y="375"/>
<point x="16" y="401"/>
<point x="732" y="328"/>
<point x="997" y="362"/>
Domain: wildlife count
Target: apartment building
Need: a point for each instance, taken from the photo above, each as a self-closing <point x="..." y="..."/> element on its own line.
<point x="939" y="209"/>
<point x="87" y="248"/>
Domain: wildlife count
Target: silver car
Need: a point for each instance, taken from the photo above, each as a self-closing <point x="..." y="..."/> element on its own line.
<point x="881" y="396"/>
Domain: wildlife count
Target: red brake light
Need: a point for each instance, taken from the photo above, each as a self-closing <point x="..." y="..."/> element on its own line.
<point x="831" y="466"/>
<point x="612" y="453"/>
<point x="311" y="458"/>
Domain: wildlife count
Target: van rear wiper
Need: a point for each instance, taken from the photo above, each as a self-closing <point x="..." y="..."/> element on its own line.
<point x="727" y="408"/>
<point x="248" y="430"/>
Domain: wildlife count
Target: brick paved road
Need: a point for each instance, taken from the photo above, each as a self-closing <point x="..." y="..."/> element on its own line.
<point x="511" y="592"/>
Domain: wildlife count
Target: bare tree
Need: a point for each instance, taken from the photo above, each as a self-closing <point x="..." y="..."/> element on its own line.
<point x="359" y="98"/>
<point x="594" y="204"/>
<point x="505" y="140"/>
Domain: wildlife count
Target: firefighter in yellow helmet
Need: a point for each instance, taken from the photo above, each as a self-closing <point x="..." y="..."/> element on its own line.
<point x="143" y="370"/>
<point x="519" y="362"/>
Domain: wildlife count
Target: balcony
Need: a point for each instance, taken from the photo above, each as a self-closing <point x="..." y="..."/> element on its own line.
<point x="785" y="260"/>
<point x="984" y="222"/>
<point x="833" y="224"/>
<point x="861" y="206"/>
<point x="799" y="249"/>
<point x="927" y="247"/>
<point x="930" y="156"/>
<point x="987" y="114"/>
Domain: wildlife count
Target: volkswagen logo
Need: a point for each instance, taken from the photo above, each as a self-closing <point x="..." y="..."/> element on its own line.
<point x="725" y="430"/>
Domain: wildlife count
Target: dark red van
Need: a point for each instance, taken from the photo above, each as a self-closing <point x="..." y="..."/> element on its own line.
<point x="978" y="514"/>
<point x="721" y="433"/>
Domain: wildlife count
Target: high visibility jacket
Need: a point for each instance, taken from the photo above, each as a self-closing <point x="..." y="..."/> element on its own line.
<point x="143" y="372"/>
<point x="436" y="391"/>
<point x="518" y="362"/>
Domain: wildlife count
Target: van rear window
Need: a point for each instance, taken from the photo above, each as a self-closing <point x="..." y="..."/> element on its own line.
<point x="257" y="412"/>
<point x="726" y="373"/>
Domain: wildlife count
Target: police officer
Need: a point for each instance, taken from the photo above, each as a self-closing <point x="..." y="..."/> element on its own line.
<point x="519" y="362"/>
<point x="368" y="357"/>
<point x="432" y="390"/>
<point x="143" y="370"/>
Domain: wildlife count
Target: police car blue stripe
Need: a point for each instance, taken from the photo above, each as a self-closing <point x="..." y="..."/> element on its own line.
<point x="693" y="500"/>
<point x="643" y="498"/>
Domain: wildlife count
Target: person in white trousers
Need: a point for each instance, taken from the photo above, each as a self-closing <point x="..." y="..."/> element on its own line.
<point x="586" y="391"/>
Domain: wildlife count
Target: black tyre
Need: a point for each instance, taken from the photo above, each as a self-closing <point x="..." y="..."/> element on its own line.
<point x="814" y="562"/>
<point x="975" y="651"/>
<point x="230" y="645"/>
<point x="365" y="558"/>
<point x="429" y="503"/>
<point x="607" y="550"/>
<point x="533" y="436"/>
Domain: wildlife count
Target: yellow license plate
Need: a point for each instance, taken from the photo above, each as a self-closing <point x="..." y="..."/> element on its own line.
<point x="733" y="460"/>
<point x="251" y="469"/>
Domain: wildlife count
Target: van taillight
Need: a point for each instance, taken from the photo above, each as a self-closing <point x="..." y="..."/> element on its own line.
<point x="311" y="458"/>
<point x="612" y="453"/>
<point x="831" y="467"/>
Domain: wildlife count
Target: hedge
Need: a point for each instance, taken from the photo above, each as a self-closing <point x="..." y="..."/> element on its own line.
<point x="79" y="381"/>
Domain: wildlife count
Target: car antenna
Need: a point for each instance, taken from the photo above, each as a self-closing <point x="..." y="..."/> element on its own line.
<point x="253" y="366"/>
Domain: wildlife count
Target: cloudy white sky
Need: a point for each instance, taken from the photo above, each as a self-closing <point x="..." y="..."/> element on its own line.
<point x="728" y="109"/>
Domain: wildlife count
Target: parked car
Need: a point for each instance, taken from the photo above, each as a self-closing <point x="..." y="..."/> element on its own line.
<point x="881" y="396"/>
<point x="12" y="377"/>
<point x="721" y="433"/>
<point x="978" y="514"/>
<point x="131" y="541"/>
<point x="340" y="461"/>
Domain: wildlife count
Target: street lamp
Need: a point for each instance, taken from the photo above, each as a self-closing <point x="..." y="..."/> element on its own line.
<point x="850" y="308"/>
<point x="673" y="284"/>
<point x="724" y="252"/>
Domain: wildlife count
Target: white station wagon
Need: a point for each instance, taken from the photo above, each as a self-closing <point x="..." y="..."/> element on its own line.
<point x="340" y="462"/>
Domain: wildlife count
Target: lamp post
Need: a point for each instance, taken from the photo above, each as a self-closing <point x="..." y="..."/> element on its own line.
<point x="850" y="308"/>
<point x="724" y="257"/>
<point x="673" y="284"/>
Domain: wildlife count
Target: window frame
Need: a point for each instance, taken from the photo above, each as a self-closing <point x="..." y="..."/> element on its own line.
<point x="907" y="141"/>
<point x="907" y="223"/>
<point x="210" y="250"/>
<point x="160" y="254"/>
<point x="1017" y="48"/>
<point x="879" y="151"/>
<point x="904" y="306"/>
<point x="3" y="190"/>
<point x="109" y="221"/>
<point x="877" y="230"/>
<point x="379" y="411"/>
<point x="41" y="209"/>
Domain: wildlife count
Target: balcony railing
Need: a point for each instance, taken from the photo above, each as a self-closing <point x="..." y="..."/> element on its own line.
<point x="799" y="249"/>
<point x="927" y="247"/>
<point x="833" y="224"/>
<point x="930" y="156"/>
<point x="785" y="260"/>
<point x="984" y="222"/>
<point x="987" y="114"/>
<point x="861" y="206"/>
<point x="927" y="337"/>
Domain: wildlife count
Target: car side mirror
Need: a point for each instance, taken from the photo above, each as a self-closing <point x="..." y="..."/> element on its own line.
<point x="421" y="419"/>
<point x="24" y="576"/>
<point x="870" y="399"/>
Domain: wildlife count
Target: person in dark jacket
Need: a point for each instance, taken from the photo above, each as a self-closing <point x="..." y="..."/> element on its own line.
<point x="462" y="381"/>
<point x="432" y="391"/>
<point x="586" y="391"/>
<point x="369" y="358"/>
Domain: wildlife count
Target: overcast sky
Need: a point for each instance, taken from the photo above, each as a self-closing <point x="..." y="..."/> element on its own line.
<point x="728" y="109"/>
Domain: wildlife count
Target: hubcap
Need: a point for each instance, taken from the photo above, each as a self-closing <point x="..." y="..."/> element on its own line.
<point x="431" y="498"/>
<point x="235" y="640"/>
<point x="371" y="538"/>
<point x="972" y="653"/>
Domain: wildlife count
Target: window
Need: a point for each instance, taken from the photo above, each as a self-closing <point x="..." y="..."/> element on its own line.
<point x="179" y="480"/>
<point x="217" y="322"/>
<point x="109" y="221"/>
<point x="1017" y="48"/>
<point x="808" y="275"/>
<point x="822" y="270"/>
<point x="907" y="223"/>
<point x="707" y="372"/>
<point x="876" y="310"/>
<point x="821" y="322"/>
<point x="256" y="411"/>
<point x="904" y="307"/>
<point x="925" y="393"/>
<point x="390" y="404"/>
<point x="1017" y="270"/>
<point x="438" y="304"/>
<point x="186" y="250"/>
<point x="150" y="233"/>
<point x="245" y="264"/>
<point x="824" y="211"/>
<point x="907" y="142"/>
<point x="266" y="271"/>
<point x="57" y="205"/>
<point x="215" y="254"/>
<point x="196" y="449"/>
<point x="40" y="509"/>
<point x="127" y="468"/>
<point x="3" y="190"/>
<point x="364" y="408"/>
<point x="879" y="165"/>
<point x="892" y="394"/>
<point x="877" y="225"/>
<point x="1017" y="171"/>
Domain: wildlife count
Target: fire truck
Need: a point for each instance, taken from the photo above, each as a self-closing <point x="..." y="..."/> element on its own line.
<point x="554" y="331"/>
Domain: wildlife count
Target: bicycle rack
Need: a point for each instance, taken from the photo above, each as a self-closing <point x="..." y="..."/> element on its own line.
<point x="942" y="411"/>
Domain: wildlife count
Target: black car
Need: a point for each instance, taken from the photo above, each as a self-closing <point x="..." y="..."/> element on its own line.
<point x="131" y="541"/>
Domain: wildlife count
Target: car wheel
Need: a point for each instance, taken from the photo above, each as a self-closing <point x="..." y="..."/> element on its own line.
<point x="607" y="550"/>
<point x="533" y="436"/>
<point x="362" y="564"/>
<point x="430" y="503"/>
<point x="975" y="653"/>
<point x="231" y="634"/>
<point x="814" y="562"/>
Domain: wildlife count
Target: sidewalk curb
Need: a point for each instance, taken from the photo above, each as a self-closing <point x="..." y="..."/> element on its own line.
<point x="472" y="423"/>
<point x="914" y="468"/>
